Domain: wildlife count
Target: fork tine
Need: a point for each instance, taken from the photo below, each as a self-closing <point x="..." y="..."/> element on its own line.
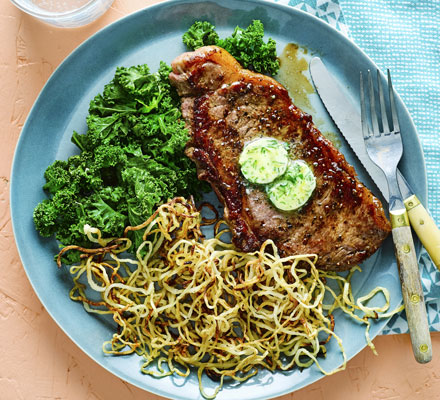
<point x="383" y="111"/>
<point x="374" y="123"/>
<point x="365" y="130"/>
<point x="396" y="127"/>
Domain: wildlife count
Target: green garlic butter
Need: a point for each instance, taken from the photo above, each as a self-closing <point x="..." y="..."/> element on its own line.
<point x="294" y="188"/>
<point x="263" y="160"/>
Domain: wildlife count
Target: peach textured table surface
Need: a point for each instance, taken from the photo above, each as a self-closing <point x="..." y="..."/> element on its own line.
<point x="38" y="361"/>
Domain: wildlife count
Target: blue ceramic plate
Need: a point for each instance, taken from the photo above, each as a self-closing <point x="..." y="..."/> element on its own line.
<point x="149" y="36"/>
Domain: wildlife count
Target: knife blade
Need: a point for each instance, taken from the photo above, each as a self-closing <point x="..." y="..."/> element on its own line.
<point x="348" y="120"/>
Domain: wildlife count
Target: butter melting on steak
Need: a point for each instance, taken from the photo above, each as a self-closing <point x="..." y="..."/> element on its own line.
<point x="226" y="106"/>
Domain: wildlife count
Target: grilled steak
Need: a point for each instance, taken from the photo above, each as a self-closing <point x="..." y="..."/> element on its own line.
<point x="226" y="106"/>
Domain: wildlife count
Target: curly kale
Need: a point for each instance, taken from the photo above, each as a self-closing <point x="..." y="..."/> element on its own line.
<point x="200" y="34"/>
<point x="131" y="161"/>
<point x="132" y="154"/>
<point x="246" y="45"/>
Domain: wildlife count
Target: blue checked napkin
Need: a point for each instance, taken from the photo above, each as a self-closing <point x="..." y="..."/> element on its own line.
<point x="404" y="37"/>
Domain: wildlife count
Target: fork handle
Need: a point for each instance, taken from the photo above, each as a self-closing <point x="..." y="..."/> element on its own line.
<point x="412" y="291"/>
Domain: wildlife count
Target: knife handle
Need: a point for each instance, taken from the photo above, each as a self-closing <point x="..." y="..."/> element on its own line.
<point x="425" y="227"/>
<point x="412" y="291"/>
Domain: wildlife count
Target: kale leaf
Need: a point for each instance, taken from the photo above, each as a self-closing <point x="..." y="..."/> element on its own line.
<point x="201" y="33"/>
<point x="246" y="45"/>
<point x="131" y="160"/>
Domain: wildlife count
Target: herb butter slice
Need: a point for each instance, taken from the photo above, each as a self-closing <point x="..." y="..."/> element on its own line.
<point x="263" y="160"/>
<point x="294" y="188"/>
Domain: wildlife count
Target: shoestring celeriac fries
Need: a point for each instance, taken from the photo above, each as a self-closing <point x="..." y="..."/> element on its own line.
<point x="188" y="301"/>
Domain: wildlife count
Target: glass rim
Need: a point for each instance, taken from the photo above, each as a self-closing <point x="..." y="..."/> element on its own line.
<point x="55" y="15"/>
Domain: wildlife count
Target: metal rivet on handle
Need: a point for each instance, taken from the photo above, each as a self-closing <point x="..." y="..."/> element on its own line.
<point x="421" y="222"/>
<point x="415" y="298"/>
<point x="406" y="248"/>
<point x="423" y="348"/>
<point x="398" y="220"/>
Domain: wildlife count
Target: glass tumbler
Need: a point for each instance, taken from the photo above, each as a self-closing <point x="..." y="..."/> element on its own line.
<point x="64" y="13"/>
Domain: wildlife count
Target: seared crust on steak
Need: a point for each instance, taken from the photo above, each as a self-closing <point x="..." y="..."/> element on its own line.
<point x="226" y="106"/>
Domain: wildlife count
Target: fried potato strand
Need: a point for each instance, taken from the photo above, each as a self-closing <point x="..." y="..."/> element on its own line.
<point x="187" y="301"/>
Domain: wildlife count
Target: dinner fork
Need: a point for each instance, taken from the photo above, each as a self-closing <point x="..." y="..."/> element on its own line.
<point x="384" y="147"/>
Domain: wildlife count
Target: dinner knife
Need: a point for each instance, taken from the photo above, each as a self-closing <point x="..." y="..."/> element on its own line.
<point x="348" y="119"/>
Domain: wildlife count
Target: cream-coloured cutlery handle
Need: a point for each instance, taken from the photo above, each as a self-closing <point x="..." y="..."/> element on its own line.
<point x="425" y="228"/>
<point x="412" y="291"/>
